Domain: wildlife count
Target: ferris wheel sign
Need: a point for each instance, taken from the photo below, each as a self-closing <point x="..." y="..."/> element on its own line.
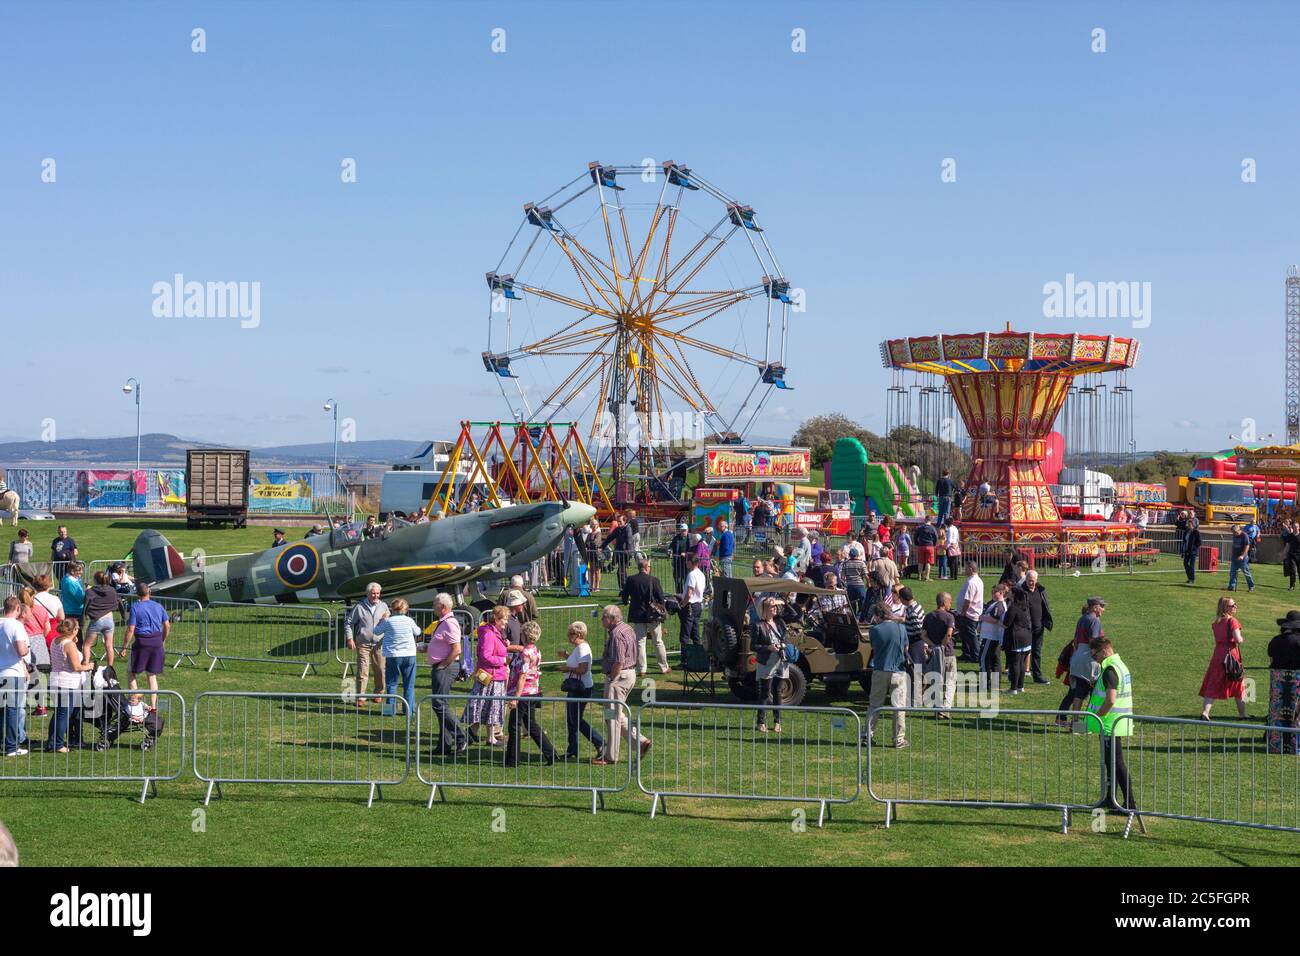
<point x="737" y="464"/>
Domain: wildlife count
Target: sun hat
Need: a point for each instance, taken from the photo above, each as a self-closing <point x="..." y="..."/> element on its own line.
<point x="515" y="598"/>
<point x="1291" y="622"/>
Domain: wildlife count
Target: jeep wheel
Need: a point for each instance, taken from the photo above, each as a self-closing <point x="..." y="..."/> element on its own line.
<point x="744" y="689"/>
<point x="794" y="688"/>
<point x="728" y="646"/>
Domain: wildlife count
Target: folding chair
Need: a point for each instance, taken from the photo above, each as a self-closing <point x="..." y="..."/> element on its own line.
<point x="697" y="669"/>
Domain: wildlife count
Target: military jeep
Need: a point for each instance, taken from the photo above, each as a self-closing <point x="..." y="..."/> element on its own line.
<point x="833" y="647"/>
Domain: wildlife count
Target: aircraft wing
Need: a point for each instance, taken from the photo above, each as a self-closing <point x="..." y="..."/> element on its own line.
<point x="415" y="577"/>
<point x="173" y="585"/>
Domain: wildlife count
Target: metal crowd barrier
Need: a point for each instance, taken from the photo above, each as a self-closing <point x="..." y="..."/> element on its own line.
<point x="479" y="765"/>
<point x="299" y="634"/>
<point x="715" y="751"/>
<point x="187" y="637"/>
<point x="300" y="738"/>
<point x="111" y="745"/>
<point x="1007" y="759"/>
<point x="1234" y="774"/>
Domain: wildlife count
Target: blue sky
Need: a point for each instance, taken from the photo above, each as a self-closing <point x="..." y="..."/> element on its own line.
<point x="225" y="166"/>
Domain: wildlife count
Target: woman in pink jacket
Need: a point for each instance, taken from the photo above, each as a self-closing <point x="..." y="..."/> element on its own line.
<point x="486" y="704"/>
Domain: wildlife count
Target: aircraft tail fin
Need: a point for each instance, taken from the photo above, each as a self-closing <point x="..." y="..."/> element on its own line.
<point x="155" y="559"/>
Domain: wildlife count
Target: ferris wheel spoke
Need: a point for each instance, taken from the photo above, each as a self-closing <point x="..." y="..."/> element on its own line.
<point x="613" y="254"/>
<point x="670" y="271"/>
<point x="695" y="270"/>
<point x="556" y="343"/>
<point x="680" y="340"/>
<point x="719" y="242"/>
<point x="638" y="270"/>
<point x="693" y="393"/>
<point x="712" y="305"/>
<point x="562" y="332"/>
<point x="594" y="356"/>
<point x="566" y="300"/>
<point x="585" y="278"/>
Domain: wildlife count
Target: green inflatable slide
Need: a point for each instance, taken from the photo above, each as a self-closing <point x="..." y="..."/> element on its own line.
<point x="881" y="486"/>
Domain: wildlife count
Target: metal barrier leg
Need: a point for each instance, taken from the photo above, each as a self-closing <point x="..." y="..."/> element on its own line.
<point x="822" y="814"/>
<point x="375" y="791"/>
<point x="215" y="662"/>
<point x="1065" y="819"/>
<point x="212" y="784"/>
<point x="889" y="814"/>
<point x="1128" y="825"/>
<point x="149" y="786"/>
<point x="655" y="802"/>
<point x="435" y="792"/>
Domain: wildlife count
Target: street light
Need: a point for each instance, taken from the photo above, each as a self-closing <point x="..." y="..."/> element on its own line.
<point x="133" y="385"/>
<point x="333" y="406"/>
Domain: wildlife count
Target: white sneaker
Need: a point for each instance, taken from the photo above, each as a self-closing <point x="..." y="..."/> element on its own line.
<point x="20" y="752"/>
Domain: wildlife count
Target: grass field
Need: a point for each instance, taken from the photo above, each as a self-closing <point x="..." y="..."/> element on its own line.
<point x="1161" y="628"/>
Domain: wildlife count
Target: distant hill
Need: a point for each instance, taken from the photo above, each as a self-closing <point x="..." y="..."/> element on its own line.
<point x="161" y="449"/>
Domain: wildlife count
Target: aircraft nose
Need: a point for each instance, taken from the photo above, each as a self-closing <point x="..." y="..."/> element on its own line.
<point x="577" y="514"/>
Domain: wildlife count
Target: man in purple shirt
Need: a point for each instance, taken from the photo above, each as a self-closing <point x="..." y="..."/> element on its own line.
<point x="619" y="667"/>
<point x="147" y="627"/>
<point x="444" y="656"/>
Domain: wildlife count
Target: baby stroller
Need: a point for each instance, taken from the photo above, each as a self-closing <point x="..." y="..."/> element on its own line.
<point x="107" y="709"/>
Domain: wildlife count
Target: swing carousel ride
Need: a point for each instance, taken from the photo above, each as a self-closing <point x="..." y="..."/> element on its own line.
<point x="1009" y="387"/>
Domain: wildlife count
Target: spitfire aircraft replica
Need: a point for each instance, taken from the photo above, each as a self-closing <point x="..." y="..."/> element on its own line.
<point x="409" y="559"/>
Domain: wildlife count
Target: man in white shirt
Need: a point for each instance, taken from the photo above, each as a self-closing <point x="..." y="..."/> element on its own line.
<point x="970" y="606"/>
<point x="13" y="675"/>
<point x="693" y="609"/>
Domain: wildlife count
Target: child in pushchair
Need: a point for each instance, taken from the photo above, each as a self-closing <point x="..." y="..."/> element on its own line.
<point x="113" y="713"/>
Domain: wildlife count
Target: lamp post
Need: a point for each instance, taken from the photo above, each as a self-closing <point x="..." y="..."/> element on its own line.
<point x="133" y="385"/>
<point x="333" y="406"/>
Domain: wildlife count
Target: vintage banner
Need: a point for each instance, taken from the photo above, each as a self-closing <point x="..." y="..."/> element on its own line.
<point x="280" y="491"/>
<point x="736" y="464"/>
<point x="171" y="486"/>
<point x="115" y="489"/>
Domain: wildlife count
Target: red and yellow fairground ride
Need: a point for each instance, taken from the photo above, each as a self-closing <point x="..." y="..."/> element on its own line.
<point x="1009" y="388"/>
<point x="498" y="463"/>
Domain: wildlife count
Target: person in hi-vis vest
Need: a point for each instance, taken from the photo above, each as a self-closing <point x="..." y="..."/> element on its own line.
<point x="1112" y="699"/>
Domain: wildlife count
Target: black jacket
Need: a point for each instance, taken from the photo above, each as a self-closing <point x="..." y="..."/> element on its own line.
<point x="1019" y="628"/>
<point x="638" y="591"/>
<point x="1040" y="612"/>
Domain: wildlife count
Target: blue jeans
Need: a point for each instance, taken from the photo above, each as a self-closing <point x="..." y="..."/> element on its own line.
<point x="12" y="701"/>
<point x="1241" y="564"/>
<point x="65" y="717"/>
<point x="405" y="667"/>
<point x="944" y="507"/>
<point x="857" y="594"/>
<point x="726" y="566"/>
<point x="573" y="719"/>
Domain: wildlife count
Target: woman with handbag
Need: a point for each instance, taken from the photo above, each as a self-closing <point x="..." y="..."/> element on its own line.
<point x="1223" y="678"/>
<point x="578" y="687"/>
<point x="485" y="705"/>
<point x="768" y="645"/>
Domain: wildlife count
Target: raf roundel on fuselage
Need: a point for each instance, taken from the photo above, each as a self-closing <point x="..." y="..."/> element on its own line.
<point x="297" y="565"/>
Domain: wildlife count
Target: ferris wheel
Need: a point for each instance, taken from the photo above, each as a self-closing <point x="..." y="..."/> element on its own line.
<point x="646" y="297"/>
